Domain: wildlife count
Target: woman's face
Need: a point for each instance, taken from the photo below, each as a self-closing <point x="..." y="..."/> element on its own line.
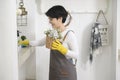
<point x="55" y="22"/>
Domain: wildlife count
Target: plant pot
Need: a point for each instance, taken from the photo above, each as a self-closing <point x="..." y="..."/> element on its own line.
<point x="49" y="41"/>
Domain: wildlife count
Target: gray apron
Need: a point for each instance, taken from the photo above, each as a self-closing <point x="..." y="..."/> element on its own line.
<point x="60" y="67"/>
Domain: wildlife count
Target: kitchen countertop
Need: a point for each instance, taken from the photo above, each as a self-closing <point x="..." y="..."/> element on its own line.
<point x="24" y="54"/>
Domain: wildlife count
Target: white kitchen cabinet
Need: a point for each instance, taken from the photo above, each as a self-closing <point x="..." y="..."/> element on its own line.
<point x="23" y="55"/>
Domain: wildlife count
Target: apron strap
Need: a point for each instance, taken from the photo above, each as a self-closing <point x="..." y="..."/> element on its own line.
<point x="63" y="40"/>
<point x="67" y="34"/>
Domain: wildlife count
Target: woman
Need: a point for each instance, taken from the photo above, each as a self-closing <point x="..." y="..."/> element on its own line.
<point x="64" y="50"/>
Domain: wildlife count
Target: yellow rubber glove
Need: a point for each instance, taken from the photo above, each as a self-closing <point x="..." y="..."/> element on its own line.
<point x="24" y="42"/>
<point x="56" y="45"/>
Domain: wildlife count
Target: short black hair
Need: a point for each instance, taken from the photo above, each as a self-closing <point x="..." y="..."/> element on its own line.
<point x="56" y="12"/>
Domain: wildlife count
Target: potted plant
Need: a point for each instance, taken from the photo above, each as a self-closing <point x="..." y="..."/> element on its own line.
<point x="51" y="35"/>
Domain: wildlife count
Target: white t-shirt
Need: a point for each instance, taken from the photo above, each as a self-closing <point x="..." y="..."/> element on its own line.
<point x="70" y="43"/>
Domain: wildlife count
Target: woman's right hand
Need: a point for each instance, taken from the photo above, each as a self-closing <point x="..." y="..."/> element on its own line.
<point x="24" y="42"/>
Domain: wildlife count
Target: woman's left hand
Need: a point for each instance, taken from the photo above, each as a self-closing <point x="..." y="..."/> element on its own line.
<point x="56" y="45"/>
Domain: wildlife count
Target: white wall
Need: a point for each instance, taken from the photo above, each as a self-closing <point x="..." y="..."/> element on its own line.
<point x="29" y="68"/>
<point x="118" y="24"/>
<point x="103" y="67"/>
<point x="8" y="41"/>
<point x="118" y="41"/>
<point x="106" y="63"/>
<point x="28" y="30"/>
<point x="85" y="7"/>
<point x="30" y="33"/>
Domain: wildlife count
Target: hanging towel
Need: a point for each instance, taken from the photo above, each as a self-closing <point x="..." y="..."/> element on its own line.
<point x="95" y="40"/>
